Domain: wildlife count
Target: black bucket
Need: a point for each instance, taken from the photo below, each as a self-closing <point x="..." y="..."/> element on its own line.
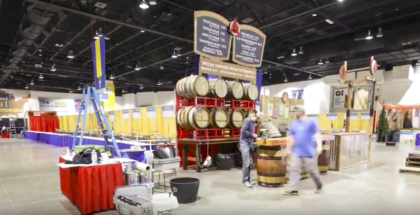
<point x="185" y="189"/>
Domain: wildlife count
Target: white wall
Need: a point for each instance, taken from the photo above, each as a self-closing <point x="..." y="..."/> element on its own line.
<point x="152" y="98"/>
<point x="399" y="86"/>
<point x="33" y="101"/>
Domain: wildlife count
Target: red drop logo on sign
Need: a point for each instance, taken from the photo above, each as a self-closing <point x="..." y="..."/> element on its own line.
<point x="174" y="189"/>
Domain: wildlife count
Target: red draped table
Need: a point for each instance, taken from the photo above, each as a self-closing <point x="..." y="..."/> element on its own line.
<point x="91" y="188"/>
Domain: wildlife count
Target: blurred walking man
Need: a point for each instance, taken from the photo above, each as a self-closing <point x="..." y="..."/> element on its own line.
<point x="246" y="139"/>
<point x="303" y="151"/>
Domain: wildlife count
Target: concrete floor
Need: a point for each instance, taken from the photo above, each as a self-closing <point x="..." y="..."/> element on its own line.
<point x="29" y="185"/>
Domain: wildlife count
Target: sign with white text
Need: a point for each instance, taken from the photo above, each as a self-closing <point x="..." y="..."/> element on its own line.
<point x="227" y="70"/>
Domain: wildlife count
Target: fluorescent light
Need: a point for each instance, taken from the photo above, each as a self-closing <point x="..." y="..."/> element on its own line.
<point x="143" y="5"/>
<point x="112" y="77"/>
<point x="320" y="62"/>
<point x="59" y="45"/>
<point x="301" y="50"/>
<point x="142" y="31"/>
<point x="380" y="34"/>
<point x="174" y="55"/>
<point x="329" y="21"/>
<point x="369" y="36"/>
<point x="294" y="53"/>
<point x="310" y="77"/>
<point x="314" y="15"/>
<point x="70" y="55"/>
<point x="159" y="83"/>
<point x="152" y="2"/>
<point x="32" y="82"/>
<point x="41" y="77"/>
<point x="137" y="68"/>
<point x="340" y="0"/>
<point x="280" y="57"/>
<point x="53" y="69"/>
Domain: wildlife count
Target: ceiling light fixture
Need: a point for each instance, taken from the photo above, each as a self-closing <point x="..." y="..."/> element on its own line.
<point x="310" y="77"/>
<point x="26" y="87"/>
<point x="79" y="87"/>
<point x="143" y="5"/>
<point x="314" y="15"/>
<point x="59" y="45"/>
<point x="320" y="62"/>
<point x="301" y="50"/>
<point x="32" y="82"/>
<point x="178" y="53"/>
<point x="112" y="77"/>
<point x="159" y="83"/>
<point x="53" y="69"/>
<point x="340" y="0"/>
<point x="70" y="55"/>
<point x="96" y="37"/>
<point x="41" y="77"/>
<point x="327" y="61"/>
<point x="380" y="34"/>
<point x="294" y="52"/>
<point x="152" y="2"/>
<point x="124" y="91"/>
<point x="285" y="79"/>
<point x="174" y="55"/>
<point x="369" y="36"/>
<point x="329" y="21"/>
<point x="40" y="52"/>
<point x="137" y="68"/>
<point x="142" y="31"/>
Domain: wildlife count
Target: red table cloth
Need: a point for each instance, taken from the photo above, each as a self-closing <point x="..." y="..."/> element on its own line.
<point x="91" y="188"/>
<point x="5" y="134"/>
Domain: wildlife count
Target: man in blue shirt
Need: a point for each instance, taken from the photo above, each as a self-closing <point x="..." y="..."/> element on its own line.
<point x="247" y="137"/>
<point x="303" y="151"/>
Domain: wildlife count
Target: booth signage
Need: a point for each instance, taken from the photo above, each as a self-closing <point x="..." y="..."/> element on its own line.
<point x="297" y="94"/>
<point x="339" y="99"/>
<point x="151" y="112"/>
<point x="364" y="116"/>
<point x="313" y="116"/>
<point x="126" y="114"/>
<point x="111" y="115"/>
<point x="228" y="70"/>
<point x="136" y="113"/>
<point x="78" y="105"/>
<point x="4" y="100"/>
<point x="54" y="104"/>
<point x="353" y="116"/>
<point x="211" y="36"/>
<point x="167" y="111"/>
<point x="332" y="116"/>
<point x="248" y="46"/>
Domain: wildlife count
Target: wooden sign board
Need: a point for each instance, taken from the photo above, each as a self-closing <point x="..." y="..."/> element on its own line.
<point x="248" y="46"/>
<point x="211" y="36"/>
<point x="228" y="70"/>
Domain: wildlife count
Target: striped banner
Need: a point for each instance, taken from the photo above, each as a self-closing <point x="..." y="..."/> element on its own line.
<point x="99" y="66"/>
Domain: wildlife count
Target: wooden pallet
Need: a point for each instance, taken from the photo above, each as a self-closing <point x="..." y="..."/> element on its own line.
<point x="409" y="169"/>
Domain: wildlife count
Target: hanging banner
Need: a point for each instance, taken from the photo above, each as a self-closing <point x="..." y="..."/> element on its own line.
<point x="4" y="100"/>
<point x="109" y="103"/>
<point x="98" y="60"/>
<point x="167" y="111"/>
<point x="78" y="105"/>
<point x="136" y="113"/>
<point x="227" y="70"/>
<point x="126" y="114"/>
<point x="211" y="37"/>
<point x="111" y="115"/>
<point x="55" y="104"/>
<point x="151" y="112"/>
<point x="248" y="46"/>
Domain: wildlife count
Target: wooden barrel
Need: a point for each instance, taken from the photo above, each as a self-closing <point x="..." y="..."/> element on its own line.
<point x="219" y="118"/>
<point x="236" y="117"/>
<point x="236" y="90"/>
<point x="324" y="157"/>
<point x="249" y="113"/>
<point x="218" y="88"/>
<point x="178" y="117"/>
<point x="250" y="91"/>
<point x="271" y="165"/>
<point x="199" y="117"/>
<point x="191" y="86"/>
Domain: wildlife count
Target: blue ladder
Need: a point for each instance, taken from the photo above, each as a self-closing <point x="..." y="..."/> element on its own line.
<point x="90" y="94"/>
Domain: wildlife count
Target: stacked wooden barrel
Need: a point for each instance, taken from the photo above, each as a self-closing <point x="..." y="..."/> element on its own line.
<point x="202" y="117"/>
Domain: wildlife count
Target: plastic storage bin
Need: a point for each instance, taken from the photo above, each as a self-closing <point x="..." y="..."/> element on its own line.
<point x="164" y="203"/>
<point x="133" y="200"/>
<point x="166" y="164"/>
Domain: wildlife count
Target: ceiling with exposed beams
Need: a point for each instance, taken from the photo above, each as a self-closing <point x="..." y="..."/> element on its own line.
<point x="38" y="36"/>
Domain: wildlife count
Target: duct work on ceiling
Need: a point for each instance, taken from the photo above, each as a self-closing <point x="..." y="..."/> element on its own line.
<point x="37" y="16"/>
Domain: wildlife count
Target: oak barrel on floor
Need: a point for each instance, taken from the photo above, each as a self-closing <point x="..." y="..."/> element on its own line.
<point x="271" y="165"/>
<point x="324" y="157"/>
